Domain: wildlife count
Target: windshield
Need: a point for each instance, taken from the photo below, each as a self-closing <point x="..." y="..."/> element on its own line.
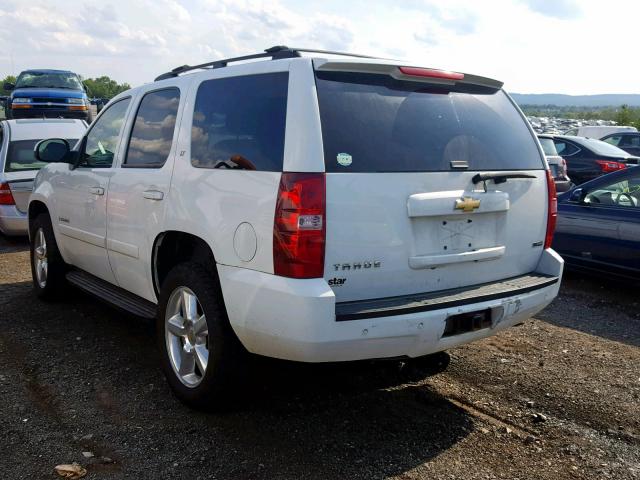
<point x="48" y="80"/>
<point x="374" y="123"/>
<point x="603" y="148"/>
<point x="548" y="147"/>
<point x="20" y="156"/>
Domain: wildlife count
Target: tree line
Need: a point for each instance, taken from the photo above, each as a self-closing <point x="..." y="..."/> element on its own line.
<point x="622" y="115"/>
<point x="100" y="87"/>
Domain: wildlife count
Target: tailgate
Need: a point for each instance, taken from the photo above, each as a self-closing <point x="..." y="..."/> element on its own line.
<point x="404" y="215"/>
<point x="398" y="234"/>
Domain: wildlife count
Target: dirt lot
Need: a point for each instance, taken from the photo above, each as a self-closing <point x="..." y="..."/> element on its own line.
<point x="558" y="397"/>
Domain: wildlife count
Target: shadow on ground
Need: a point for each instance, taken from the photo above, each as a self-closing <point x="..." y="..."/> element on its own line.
<point x="86" y="377"/>
<point x="609" y="309"/>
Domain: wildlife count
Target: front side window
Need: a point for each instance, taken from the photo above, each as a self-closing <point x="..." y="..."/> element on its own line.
<point x="152" y="133"/>
<point x="20" y="155"/>
<point x="614" y="140"/>
<point x="625" y="193"/>
<point x="239" y="123"/>
<point x="102" y="139"/>
<point x="630" y="141"/>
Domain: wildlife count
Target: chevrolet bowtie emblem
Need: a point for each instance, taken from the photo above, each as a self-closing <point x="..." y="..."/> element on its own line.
<point x="467" y="204"/>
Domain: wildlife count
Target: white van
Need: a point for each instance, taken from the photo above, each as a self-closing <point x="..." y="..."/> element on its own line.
<point x="306" y="208"/>
<point x="598" y="131"/>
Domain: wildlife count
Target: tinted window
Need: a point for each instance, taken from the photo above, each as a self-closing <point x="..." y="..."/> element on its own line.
<point x="152" y="132"/>
<point x="374" y="123"/>
<point x="20" y="155"/>
<point x="102" y="139"/>
<point x="239" y="123"/>
<point x="630" y="141"/>
<point x="548" y="146"/>
<point x="565" y="148"/>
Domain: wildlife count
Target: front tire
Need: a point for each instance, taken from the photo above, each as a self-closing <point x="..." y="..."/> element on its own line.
<point x="201" y="356"/>
<point x="47" y="266"/>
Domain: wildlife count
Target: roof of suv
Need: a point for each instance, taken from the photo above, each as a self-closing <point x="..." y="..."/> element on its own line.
<point x="402" y="73"/>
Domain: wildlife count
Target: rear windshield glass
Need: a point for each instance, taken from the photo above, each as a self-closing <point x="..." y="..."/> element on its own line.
<point x="374" y="123"/>
<point x="239" y="123"/>
<point x="603" y="148"/>
<point x="548" y="147"/>
<point x="20" y="155"/>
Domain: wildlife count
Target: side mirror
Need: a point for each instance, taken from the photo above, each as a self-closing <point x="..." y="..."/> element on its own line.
<point x="52" y="150"/>
<point x="577" y="195"/>
<point x="8" y="86"/>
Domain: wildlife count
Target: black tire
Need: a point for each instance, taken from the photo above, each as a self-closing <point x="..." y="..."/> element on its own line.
<point x="226" y="367"/>
<point x="55" y="282"/>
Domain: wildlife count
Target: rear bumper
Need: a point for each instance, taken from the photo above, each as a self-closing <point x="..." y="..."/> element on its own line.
<point x="12" y="221"/>
<point x="296" y="319"/>
<point x="563" y="185"/>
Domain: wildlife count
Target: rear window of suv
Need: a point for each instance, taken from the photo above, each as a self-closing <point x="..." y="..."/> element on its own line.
<point x="374" y="123"/>
<point x="239" y="123"/>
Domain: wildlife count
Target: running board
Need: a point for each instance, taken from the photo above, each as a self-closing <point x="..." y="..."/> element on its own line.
<point x="112" y="294"/>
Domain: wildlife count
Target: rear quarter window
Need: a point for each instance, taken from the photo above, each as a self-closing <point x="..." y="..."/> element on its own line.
<point x="374" y="123"/>
<point x="239" y="123"/>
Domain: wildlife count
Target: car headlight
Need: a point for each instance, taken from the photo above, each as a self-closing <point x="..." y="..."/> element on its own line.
<point x="75" y="101"/>
<point x="21" y="100"/>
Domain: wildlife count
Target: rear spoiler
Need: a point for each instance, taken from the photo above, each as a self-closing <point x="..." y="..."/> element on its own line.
<point x="408" y="73"/>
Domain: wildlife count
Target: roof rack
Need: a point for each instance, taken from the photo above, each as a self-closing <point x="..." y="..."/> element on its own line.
<point x="275" y="53"/>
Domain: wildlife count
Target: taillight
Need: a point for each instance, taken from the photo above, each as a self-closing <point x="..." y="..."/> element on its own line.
<point x="299" y="227"/>
<point x="6" y="197"/>
<point x="430" y="73"/>
<point x="609" y="166"/>
<point x="552" y="210"/>
<point x="564" y="167"/>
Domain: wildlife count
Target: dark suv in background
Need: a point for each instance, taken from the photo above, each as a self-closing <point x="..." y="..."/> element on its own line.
<point x="47" y="94"/>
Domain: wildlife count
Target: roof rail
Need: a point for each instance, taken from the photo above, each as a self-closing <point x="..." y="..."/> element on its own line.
<point x="275" y="53"/>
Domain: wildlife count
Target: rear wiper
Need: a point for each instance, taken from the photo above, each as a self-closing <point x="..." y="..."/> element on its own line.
<point x="498" y="177"/>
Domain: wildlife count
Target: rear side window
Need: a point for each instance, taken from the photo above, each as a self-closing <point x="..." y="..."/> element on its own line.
<point x="239" y="123"/>
<point x="548" y="147"/>
<point x="20" y="155"/>
<point x="565" y="148"/>
<point x="374" y="123"/>
<point x="153" y="129"/>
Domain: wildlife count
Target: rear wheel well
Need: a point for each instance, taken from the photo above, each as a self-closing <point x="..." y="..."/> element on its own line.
<point x="172" y="248"/>
<point x="36" y="208"/>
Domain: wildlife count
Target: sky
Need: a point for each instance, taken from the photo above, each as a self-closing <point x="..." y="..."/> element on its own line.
<point x="534" y="46"/>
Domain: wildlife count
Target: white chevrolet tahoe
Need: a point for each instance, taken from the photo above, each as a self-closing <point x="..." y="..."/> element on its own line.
<point x="314" y="208"/>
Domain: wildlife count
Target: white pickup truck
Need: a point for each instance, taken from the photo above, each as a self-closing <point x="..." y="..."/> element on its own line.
<point x="313" y="208"/>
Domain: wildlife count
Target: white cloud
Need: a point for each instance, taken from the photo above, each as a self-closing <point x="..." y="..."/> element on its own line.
<point x="531" y="45"/>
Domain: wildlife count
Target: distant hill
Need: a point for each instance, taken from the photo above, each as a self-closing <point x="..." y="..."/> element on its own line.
<point x="606" y="100"/>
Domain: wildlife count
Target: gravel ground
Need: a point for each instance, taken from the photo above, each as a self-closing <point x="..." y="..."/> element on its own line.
<point x="558" y="397"/>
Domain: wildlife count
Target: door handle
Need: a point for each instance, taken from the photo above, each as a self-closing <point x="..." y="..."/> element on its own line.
<point x="96" y="190"/>
<point x="153" y="194"/>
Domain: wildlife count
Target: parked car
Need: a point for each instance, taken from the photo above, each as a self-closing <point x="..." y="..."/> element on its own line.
<point x="18" y="165"/>
<point x="588" y="158"/>
<point x="599" y="225"/>
<point x="48" y="94"/>
<point x="557" y="164"/>
<point x="599" y="131"/>
<point x="629" y="142"/>
<point x="310" y="209"/>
